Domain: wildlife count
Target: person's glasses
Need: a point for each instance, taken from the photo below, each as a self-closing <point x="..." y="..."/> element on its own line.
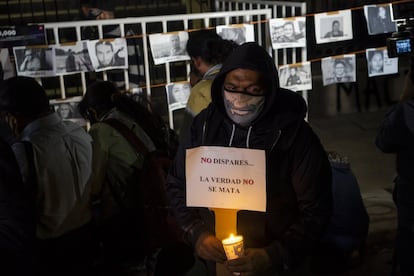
<point x="251" y="91"/>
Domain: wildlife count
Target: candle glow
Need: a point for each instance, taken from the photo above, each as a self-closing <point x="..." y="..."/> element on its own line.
<point x="233" y="246"/>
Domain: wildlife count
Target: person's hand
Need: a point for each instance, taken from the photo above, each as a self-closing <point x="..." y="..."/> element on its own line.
<point x="254" y="262"/>
<point x="210" y="248"/>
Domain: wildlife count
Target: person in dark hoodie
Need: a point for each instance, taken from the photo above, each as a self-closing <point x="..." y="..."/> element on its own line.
<point x="17" y="217"/>
<point x="396" y="135"/>
<point x="249" y="110"/>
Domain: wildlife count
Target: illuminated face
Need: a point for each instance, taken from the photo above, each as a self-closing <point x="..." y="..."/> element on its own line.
<point x="288" y="30"/>
<point x="377" y="62"/>
<point x="243" y="95"/>
<point x="104" y="54"/>
<point x="339" y="69"/>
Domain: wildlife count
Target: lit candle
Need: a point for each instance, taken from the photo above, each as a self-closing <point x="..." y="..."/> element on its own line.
<point x="233" y="246"/>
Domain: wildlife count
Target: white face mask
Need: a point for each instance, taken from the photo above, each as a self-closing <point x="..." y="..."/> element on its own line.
<point x="242" y="108"/>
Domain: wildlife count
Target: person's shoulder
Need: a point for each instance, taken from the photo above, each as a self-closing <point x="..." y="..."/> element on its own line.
<point x="201" y="89"/>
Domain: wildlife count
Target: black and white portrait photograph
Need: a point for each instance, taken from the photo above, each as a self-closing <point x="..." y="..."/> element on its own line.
<point x="333" y="26"/>
<point x="67" y="109"/>
<point x="379" y="19"/>
<point x="339" y="69"/>
<point x="6" y="67"/>
<point x="296" y="77"/>
<point x="379" y="63"/>
<point x="73" y="58"/>
<point x="169" y="47"/>
<point x="108" y="54"/>
<point x="239" y="33"/>
<point x="288" y="32"/>
<point x="177" y="94"/>
<point x="34" y="61"/>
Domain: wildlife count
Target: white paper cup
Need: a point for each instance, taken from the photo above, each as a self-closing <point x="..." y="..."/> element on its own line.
<point x="233" y="246"/>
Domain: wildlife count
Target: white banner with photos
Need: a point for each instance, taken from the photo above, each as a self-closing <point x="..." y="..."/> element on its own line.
<point x="35" y="61"/>
<point x="177" y="94"/>
<point x="73" y="58"/>
<point x="333" y="26"/>
<point x="67" y="109"/>
<point x="296" y="77"/>
<point x="239" y="33"/>
<point x="379" y="63"/>
<point x="338" y="69"/>
<point x="169" y="47"/>
<point x="288" y="32"/>
<point x="108" y="54"/>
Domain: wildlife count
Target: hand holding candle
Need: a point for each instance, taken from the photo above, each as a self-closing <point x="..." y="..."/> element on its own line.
<point x="233" y="246"/>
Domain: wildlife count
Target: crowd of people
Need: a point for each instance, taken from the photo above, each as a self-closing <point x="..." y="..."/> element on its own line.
<point x="62" y="185"/>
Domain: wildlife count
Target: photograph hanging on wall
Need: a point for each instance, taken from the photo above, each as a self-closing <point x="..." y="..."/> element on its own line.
<point x="288" y="32"/>
<point x="73" y="58"/>
<point x="379" y="19"/>
<point x="177" y="94"/>
<point x="296" y="77"/>
<point x="6" y="70"/>
<point x="333" y="26"/>
<point x="34" y="61"/>
<point x="169" y="47"/>
<point x="338" y="69"/>
<point x="239" y="33"/>
<point x="108" y="54"/>
<point x="379" y="63"/>
<point x="67" y="109"/>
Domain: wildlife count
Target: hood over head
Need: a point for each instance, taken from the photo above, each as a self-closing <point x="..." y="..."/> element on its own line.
<point x="281" y="106"/>
<point x="248" y="56"/>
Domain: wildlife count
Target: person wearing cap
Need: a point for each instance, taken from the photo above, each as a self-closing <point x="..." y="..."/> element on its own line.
<point x="55" y="158"/>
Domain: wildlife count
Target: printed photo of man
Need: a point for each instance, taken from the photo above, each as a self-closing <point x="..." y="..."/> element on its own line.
<point x="108" y="54"/>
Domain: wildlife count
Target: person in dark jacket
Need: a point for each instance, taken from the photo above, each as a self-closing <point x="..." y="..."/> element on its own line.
<point x="344" y="240"/>
<point x="396" y="135"/>
<point x="249" y="110"/>
<point x="17" y="217"/>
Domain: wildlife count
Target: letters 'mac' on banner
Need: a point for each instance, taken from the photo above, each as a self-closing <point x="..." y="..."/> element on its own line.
<point x="223" y="177"/>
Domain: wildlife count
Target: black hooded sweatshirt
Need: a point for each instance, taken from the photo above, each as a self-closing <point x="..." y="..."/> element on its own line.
<point x="298" y="180"/>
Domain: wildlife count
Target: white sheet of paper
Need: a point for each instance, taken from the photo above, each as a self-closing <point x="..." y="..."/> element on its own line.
<point x="224" y="177"/>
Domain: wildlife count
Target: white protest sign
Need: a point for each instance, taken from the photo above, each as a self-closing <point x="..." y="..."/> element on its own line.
<point x="224" y="177"/>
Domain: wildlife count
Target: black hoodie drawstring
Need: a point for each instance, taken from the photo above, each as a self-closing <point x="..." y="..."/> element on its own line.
<point x="277" y="139"/>
<point x="248" y="137"/>
<point x="233" y="131"/>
